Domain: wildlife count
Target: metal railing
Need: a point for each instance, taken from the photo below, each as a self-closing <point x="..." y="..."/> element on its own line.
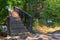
<point x="25" y="18"/>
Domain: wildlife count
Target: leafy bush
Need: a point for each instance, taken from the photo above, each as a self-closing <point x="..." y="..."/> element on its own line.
<point x="0" y="29"/>
<point x="3" y="11"/>
<point x="51" y="11"/>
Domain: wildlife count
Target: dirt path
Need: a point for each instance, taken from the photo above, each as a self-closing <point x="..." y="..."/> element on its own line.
<point x="34" y="37"/>
<point x="52" y="36"/>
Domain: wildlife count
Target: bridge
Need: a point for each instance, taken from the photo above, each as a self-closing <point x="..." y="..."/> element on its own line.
<point x="18" y="21"/>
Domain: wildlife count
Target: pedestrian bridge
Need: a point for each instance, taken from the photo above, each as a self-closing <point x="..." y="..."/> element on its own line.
<point x="18" y="21"/>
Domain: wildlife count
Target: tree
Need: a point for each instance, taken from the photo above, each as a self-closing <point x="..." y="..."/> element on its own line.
<point x="51" y="11"/>
<point x="3" y="11"/>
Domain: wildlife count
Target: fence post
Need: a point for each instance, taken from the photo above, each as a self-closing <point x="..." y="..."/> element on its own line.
<point x="8" y="23"/>
<point x="30" y="27"/>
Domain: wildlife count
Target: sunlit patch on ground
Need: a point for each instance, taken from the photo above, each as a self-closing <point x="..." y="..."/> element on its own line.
<point x="45" y="29"/>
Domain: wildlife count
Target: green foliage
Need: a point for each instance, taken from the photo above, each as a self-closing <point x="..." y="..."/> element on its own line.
<point x="1" y="28"/>
<point x="10" y="3"/>
<point x="3" y="11"/>
<point x="51" y="11"/>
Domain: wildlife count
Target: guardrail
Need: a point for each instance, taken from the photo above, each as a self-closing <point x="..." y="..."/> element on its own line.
<point x="25" y="18"/>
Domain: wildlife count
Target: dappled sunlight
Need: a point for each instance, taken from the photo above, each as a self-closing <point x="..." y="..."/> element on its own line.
<point x="45" y="29"/>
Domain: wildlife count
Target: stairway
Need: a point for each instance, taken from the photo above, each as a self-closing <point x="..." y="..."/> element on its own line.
<point x="16" y="26"/>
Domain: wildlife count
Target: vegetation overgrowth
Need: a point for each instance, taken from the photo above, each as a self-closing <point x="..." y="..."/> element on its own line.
<point x="45" y="12"/>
